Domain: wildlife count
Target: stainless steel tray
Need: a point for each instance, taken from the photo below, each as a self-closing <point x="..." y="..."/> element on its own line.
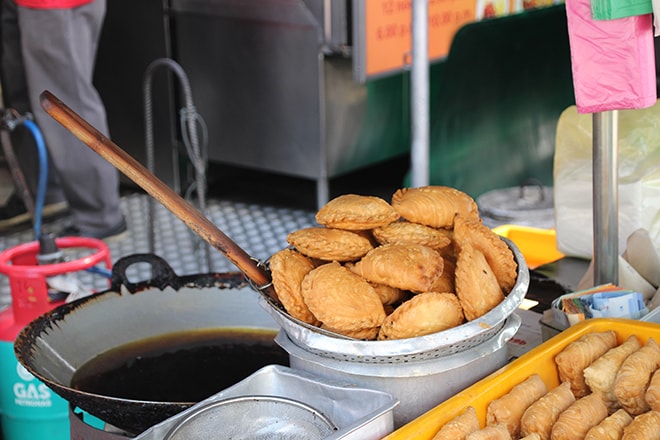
<point x="357" y="412"/>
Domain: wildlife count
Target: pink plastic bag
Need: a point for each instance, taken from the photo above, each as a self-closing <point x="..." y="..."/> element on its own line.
<point x="613" y="61"/>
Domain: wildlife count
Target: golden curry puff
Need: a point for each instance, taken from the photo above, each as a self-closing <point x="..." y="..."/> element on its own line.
<point x="413" y="267"/>
<point x="434" y="206"/>
<point x="476" y="285"/>
<point x="288" y="268"/>
<point x="367" y="334"/>
<point x="342" y="300"/>
<point x="423" y="314"/>
<point x="330" y="244"/>
<point x="356" y="212"/>
<point x="407" y="232"/>
<point x="500" y="258"/>
<point x="445" y="282"/>
<point x="389" y="295"/>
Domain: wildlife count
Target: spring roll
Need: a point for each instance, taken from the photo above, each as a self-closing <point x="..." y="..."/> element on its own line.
<point x="600" y="375"/>
<point x="643" y="427"/>
<point x="509" y="409"/>
<point x="634" y="377"/>
<point x="495" y="432"/>
<point x="580" y="417"/>
<point x="460" y="426"/>
<point x="579" y="354"/>
<point x="542" y="414"/>
<point x="652" y="395"/>
<point x="611" y="428"/>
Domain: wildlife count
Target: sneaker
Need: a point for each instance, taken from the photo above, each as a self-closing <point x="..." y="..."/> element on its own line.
<point x="114" y="233"/>
<point x="14" y="212"/>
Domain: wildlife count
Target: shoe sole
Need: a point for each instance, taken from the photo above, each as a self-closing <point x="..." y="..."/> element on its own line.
<point x="48" y="212"/>
<point x="118" y="233"/>
<point x="116" y="237"/>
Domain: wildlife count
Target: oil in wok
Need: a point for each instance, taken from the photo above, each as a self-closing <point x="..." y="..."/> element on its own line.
<point x="180" y="367"/>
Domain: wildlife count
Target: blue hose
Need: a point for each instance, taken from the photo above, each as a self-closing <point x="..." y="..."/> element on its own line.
<point x="43" y="175"/>
<point x="42" y="186"/>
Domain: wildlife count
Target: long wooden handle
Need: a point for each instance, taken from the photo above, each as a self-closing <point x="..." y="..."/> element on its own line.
<point x="157" y="189"/>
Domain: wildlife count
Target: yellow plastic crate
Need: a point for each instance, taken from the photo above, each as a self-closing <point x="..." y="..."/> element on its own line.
<point x="538" y="246"/>
<point x="538" y="360"/>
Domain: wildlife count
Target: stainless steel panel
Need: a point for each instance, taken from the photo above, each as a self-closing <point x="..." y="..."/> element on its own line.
<point x="255" y="71"/>
<point x="274" y="82"/>
<point x="135" y="34"/>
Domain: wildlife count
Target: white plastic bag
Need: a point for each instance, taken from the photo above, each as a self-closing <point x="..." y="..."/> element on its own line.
<point x="639" y="178"/>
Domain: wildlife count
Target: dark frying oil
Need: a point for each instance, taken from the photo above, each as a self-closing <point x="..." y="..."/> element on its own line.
<point x="180" y="367"/>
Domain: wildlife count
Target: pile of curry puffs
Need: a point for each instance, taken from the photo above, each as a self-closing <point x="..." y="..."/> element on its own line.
<point x="379" y="270"/>
<point x="608" y="391"/>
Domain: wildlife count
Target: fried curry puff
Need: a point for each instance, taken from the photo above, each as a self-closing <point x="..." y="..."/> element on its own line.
<point x="374" y="269"/>
<point x="356" y="213"/>
<point x="342" y="300"/>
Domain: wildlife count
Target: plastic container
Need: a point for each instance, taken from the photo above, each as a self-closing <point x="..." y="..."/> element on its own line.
<point x="28" y="408"/>
<point x="538" y="360"/>
<point x="538" y="246"/>
<point x="418" y="384"/>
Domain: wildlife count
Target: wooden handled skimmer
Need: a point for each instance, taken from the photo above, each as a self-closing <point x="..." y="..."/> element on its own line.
<point x="183" y="210"/>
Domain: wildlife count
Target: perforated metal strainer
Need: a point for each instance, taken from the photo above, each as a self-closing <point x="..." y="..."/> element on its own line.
<point x="432" y="346"/>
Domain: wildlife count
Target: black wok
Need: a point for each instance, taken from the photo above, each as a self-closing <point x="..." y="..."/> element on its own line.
<point x="55" y="344"/>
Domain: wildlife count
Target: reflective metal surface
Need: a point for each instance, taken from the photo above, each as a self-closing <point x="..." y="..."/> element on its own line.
<point x="254" y="418"/>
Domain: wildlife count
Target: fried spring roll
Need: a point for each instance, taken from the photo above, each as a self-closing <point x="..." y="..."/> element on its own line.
<point x="600" y="375"/>
<point x="495" y="432"/>
<point x="460" y="426"/>
<point x="611" y="428"/>
<point x="542" y="414"/>
<point x="643" y="427"/>
<point x="509" y="409"/>
<point x="579" y="354"/>
<point x="580" y="417"/>
<point x="652" y="395"/>
<point x="634" y="377"/>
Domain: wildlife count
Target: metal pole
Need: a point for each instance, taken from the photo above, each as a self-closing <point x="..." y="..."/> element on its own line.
<point x="606" y="198"/>
<point x="420" y="95"/>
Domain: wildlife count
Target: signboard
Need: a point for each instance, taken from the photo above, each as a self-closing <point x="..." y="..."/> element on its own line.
<point x="382" y="30"/>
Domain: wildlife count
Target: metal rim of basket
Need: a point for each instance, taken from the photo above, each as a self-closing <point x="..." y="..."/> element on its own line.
<point x="450" y="341"/>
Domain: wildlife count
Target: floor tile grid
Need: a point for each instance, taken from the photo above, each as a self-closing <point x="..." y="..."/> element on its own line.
<point x="260" y="230"/>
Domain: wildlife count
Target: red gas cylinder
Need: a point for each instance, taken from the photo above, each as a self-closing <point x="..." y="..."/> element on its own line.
<point x="27" y="279"/>
<point x="29" y="410"/>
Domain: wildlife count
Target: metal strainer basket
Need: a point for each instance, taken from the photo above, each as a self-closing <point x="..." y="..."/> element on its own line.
<point x="432" y="346"/>
<point x="254" y="418"/>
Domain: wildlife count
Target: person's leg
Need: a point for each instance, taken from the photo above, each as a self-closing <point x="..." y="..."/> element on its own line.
<point x="15" y="97"/>
<point x="12" y="73"/>
<point x="59" y="49"/>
